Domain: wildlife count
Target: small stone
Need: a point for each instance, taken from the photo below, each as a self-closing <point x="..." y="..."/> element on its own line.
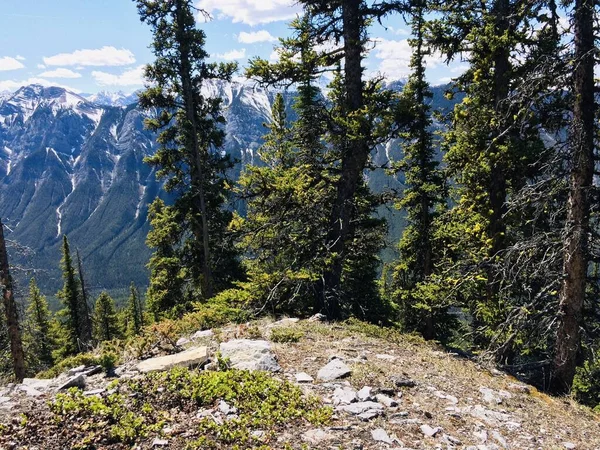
<point x="303" y="377"/>
<point x="404" y="382"/>
<point x="364" y="394"/>
<point x="387" y="401"/>
<point x="380" y="435"/>
<point x="333" y="370"/>
<point x="316" y="436"/>
<point x="182" y="341"/>
<point x="203" y="334"/>
<point x="452" y="439"/>
<point x="258" y="434"/>
<point x="94" y="392"/>
<point x="247" y="354"/>
<point x="318" y="318"/>
<point x="490" y="396"/>
<point x="226" y="409"/>
<point x="368" y="415"/>
<point x="481" y="435"/>
<point x="569" y="445"/>
<point x="429" y="431"/>
<point x="160" y="442"/>
<point x="360" y="407"/>
<point x="76" y="381"/>
<point x="344" y="396"/>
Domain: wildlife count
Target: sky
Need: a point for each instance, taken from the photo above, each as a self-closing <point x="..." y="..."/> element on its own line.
<point x="101" y="45"/>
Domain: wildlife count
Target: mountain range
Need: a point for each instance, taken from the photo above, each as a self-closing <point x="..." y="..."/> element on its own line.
<point x="73" y="164"/>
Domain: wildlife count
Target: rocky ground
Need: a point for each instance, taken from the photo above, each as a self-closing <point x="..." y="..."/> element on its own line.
<point x="315" y="386"/>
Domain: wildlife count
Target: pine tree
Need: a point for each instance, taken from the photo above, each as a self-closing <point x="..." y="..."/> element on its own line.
<point x="582" y="146"/>
<point x="86" y="325"/>
<point x="135" y="313"/>
<point x="72" y="319"/>
<point x="10" y="311"/>
<point x="39" y="320"/>
<point x="190" y="134"/>
<point x="423" y="197"/>
<point x="105" y="319"/>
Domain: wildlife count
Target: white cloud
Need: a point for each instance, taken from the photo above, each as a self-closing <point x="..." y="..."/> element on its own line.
<point x="20" y="58"/>
<point x="274" y="56"/>
<point x="131" y="77"/>
<point x="399" y="31"/>
<point x="256" y="36"/>
<point x="232" y="55"/>
<point x="12" y="85"/>
<point x="60" y="73"/>
<point x="8" y="63"/>
<point x="396" y="55"/>
<point x="251" y="12"/>
<point x="41" y="66"/>
<point x="105" y="56"/>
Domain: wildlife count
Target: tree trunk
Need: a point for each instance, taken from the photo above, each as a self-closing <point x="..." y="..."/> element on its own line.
<point x="86" y="318"/>
<point x="10" y="309"/>
<point x="354" y="158"/>
<point x="197" y="159"/>
<point x="575" y="264"/>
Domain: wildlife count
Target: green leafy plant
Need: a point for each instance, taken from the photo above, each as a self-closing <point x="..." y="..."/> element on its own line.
<point x="286" y="335"/>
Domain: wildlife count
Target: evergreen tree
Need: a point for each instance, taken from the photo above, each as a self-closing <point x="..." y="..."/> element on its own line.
<point x="582" y="147"/>
<point x="190" y="134"/>
<point x="39" y="320"/>
<point x="105" y="319"/>
<point x="86" y="326"/>
<point x="135" y="313"/>
<point x="424" y="195"/>
<point x="10" y="312"/>
<point x="167" y="273"/>
<point x="72" y="318"/>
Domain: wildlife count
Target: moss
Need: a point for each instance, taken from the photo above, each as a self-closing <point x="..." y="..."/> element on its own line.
<point x="286" y="335"/>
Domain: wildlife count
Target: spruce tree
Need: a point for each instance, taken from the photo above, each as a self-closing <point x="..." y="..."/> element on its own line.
<point x="423" y="197"/>
<point x="39" y="321"/>
<point x="72" y="319"/>
<point x="190" y="134"/>
<point x="106" y="322"/>
<point x="135" y="313"/>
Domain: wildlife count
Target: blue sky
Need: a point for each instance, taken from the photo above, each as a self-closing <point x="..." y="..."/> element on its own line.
<point x="93" y="45"/>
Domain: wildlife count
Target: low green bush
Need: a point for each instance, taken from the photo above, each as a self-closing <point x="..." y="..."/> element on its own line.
<point x="286" y="335"/>
<point x="83" y="359"/>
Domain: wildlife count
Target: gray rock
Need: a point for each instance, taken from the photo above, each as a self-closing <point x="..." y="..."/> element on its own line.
<point x="569" y="445"/>
<point x="318" y="318"/>
<point x="92" y="370"/>
<point x="489" y="416"/>
<point x="403" y="382"/>
<point x="429" y="431"/>
<point x="4" y="400"/>
<point x="247" y="354"/>
<point x="39" y="384"/>
<point x="75" y="370"/>
<point x="303" y="377"/>
<point x="160" y="442"/>
<point x="387" y="401"/>
<point x="192" y="357"/>
<point x="500" y="439"/>
<point x="334" y="369"/>
<point x="385" y="357"/>
<point x="364" y="394"/>
<point x="77" y="381"/>
<point x="490" y="396"/>
<point x="368" y="415"/>
<point x="361" y="407"/>
<point x="205" y="334"/>
<point x="345" y="395"/>
<point x="182" y="341"/>
<point x="380" y="435"/>
<point x="30" y="391"/>
<point x="317" y="436"/>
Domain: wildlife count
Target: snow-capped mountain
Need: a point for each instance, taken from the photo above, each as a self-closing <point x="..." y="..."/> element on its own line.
<point x="106" y="98"/>
<point x="73" y="165"/>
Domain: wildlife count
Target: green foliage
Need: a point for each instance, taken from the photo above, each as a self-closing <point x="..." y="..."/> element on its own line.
<point x="285" y="335"/>
<point x="193" y="252"/>
<point x="586" y="385"/>
<point x="106" y="322"/>
<point x="39" y="333"/>
<point x="108" y="360"/>
<point x="82" y="359"/>
<point x="134" y="311"/>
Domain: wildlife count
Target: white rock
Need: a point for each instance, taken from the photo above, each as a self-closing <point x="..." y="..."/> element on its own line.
<point x="318" y="318"/>
<point x="75" y="370"/>
<point x="364" y="394"/>
<point x="344" y="396"/>
<point x="303" y="377"/>
<point x="191" y="357"/>
<point x="380" y="435"/>
<point x="490" y="396"/>
<point x="182" y="341"/>
<point x="39" y="384"/>
<point x="30" y="391"/>
<point x="569" y="445"/>
<point x="361" y="407"/>
<point x="386" y="357"/>
<point x="335" y="369"/>
<point x="429" y="431"/>
<point x="76" y="381"/>
<point x="500" y="439"/>
<point x="247" y="354"/>
<point x="226" y="409"/>
<point x="387" y="401"/>
<point x="160" y="442"/>
<point x="205" y="334"/>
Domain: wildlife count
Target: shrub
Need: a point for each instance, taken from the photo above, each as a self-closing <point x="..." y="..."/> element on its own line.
<point x="586" y="385"/>
<point x="83" y="359"/>
<point x="286" y="335"/>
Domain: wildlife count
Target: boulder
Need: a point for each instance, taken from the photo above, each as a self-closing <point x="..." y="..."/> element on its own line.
<point x="247" y="354"/>
<point x="39" y="384"/>
<point x="77" y="381"/>
<point x="336" y="368"/>
<point x="192" y="357"/>
<point x="303" y="377"/>
<point x="205" y="334"/>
